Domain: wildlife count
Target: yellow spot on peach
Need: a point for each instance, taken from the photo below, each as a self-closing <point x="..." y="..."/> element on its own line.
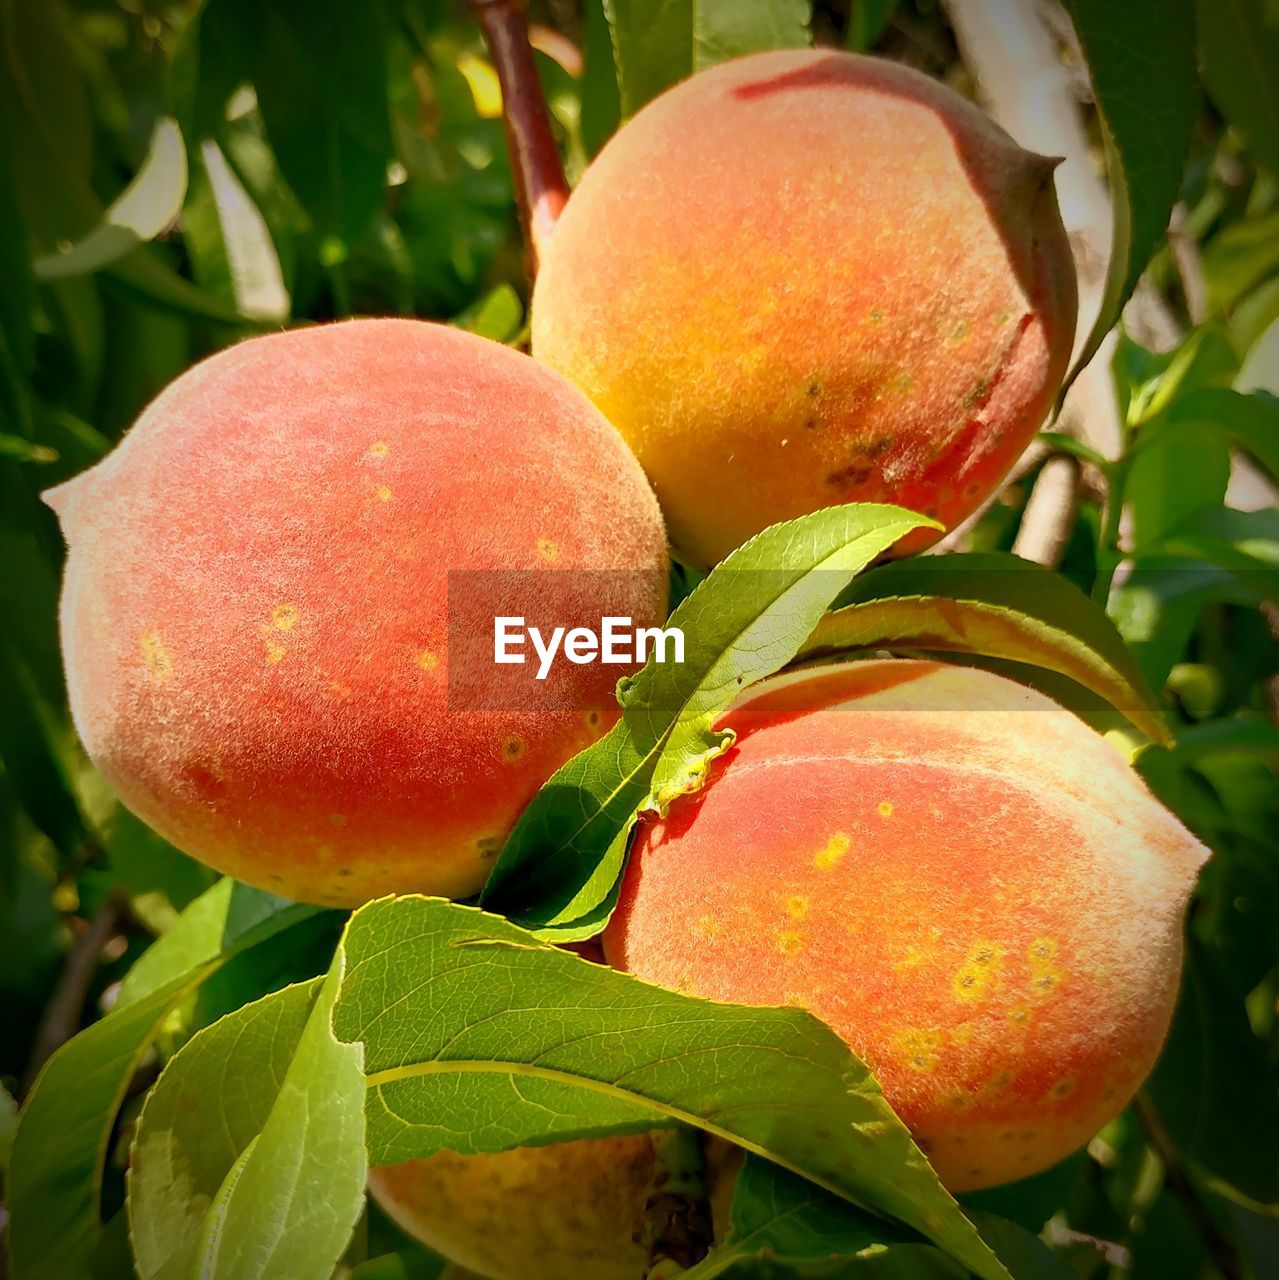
<point x="913" y="958"/>
<point x="790" y="942"/>
<point x="1042" y="983"/>
<point x="997" y="1084"/>
<point x="979" y="971"/>
<point x="488" y="846"/>
<point x="830" y="855"/>
<point x="1062" y="1089"/>
<point x="1019" y="1016"/>
<point x="337" y="819"/>
<point x="284" y="617"/>
<point x="885" y="809"/>
<point x="593" y="718"/>
<point x="707" y="927"/>
<point x="876" y="315"/>
<point x="427" y="660"/>
<point x="513" y="748"/>
<point x="797" y="907"/>
<point x="958" y="1099"/>
<point x="920" y="1047"/>
<point x="339" y="690"/>
<point x="1042" y="949"/>
<point x="324" y="851"/>
<point x="547" y="549"/>
<point x="378" y="449"/>
<point x="156" y="655"/>
<point x="961" y="1034"/>
<point x="384" y="493"/>
<point x="275" y="652"/>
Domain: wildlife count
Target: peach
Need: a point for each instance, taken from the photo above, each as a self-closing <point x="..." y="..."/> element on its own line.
<point x="569" y="1211"/>
<point x="565" y="1212"/>
<point x="804" y="278"/>
<point x="256" y="601"/>
<point x="963" y="880"/>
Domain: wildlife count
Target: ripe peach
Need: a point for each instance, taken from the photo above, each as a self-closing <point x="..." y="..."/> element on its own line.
<point x="569" y="1211"/>
<point x="256" y="600"/>
<point x="965" y="881"/>
<point x="564" y="1212"/>
<point x="806" y="278"/>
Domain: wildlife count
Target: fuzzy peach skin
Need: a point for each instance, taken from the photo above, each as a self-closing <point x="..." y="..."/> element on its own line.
<point x="806" y="278"/>
<point x="569" y="1211"/>
<point x="563" y="1212"/>
<point x="254" y="609"/>
<point x="960" y="877"/>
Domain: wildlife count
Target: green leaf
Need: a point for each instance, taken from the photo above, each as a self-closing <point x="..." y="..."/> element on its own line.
<point x="274" y="1184"/>
<point x="143" y="209"/>
<point x="66" y="1122"/>
<point x="229" y="917"/>
<point x="1157" y="604"/>
<point x="499" y="315"/>
<point x="1213" y="1088"/>
<point x="61" y="1143"/>
<point x="1249" y="420"/>
<point x="559" y="869"/>
<point x="866" y="23"/>
<point x="657" y="43"/>
<point x="1240" y="257"/>
<point x="479" y="1038"/>
<point x="322" y="89"/>
<point x="1176" y="469"/>
<point x="181" y="1152"/>
<point x="947" y="625"/>
<point x="994" y="605"/>
<point x="788" y="1220"/>
<point x="1141" y="58"/>
<point x="1238" y="52"/>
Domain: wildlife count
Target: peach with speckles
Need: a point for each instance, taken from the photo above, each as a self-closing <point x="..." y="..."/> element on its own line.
<point x="564" y="1212"/>
<point x="960" y="877"/>
<point x="255" y="608"/>
<point x="568" y="1211"/>
<point x="803" y="278"/>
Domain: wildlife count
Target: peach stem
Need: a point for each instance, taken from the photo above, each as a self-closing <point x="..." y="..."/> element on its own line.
<point x="540" y="185"/>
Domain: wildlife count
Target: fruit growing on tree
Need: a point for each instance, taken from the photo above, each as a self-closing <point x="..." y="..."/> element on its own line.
<point x="254" y="612"/>
<point x="568" y="1211"/>
<point x="805" y="278"/>
<point x="961" y="878"/>
<point x="563" y="1212"/>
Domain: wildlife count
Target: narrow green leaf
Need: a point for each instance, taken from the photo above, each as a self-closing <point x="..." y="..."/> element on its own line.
<point x="150" y="203"/>
<point x="1177" y="469"/>
<point x="995" y="605"/>
<point x="333" y="146"/>
<point x="1238" y="52"/>
<point x="866" y="23"/>
<point x="66" y="1122"/>
<point x="286" y="1201"/>
<point x="479" y="1038"/>
<point x="55" y="1179"/>
<point x="657" y="43"/>
<point x="1213" y="1088"/>
<point x="1249" y="420"/>
<point x="788" y="1220"/>
<point x="181" y="1153"/>
<point x="1141" y="58"/>
<point x="747" y="619"/>
<point x="955" y="625"/>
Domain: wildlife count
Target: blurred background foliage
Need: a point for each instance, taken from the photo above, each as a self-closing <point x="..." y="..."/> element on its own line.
<point x="175" y="176"/>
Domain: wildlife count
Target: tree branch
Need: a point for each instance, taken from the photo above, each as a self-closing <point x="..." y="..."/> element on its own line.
<point x="62" y="1015"/>
<point x="541" y="188"/>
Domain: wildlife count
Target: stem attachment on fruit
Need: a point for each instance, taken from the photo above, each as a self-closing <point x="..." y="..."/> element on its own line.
<point x="676" y="1230"/>
<point x="540" y="185"/>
